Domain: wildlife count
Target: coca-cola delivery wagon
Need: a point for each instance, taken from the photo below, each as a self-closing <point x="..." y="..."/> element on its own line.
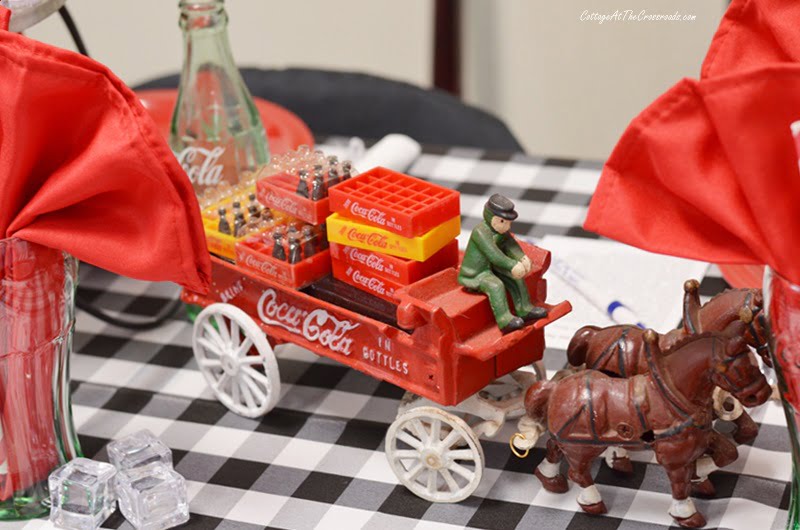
<point x="441" y="345"/>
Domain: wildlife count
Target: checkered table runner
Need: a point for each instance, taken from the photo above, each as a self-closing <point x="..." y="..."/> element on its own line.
<point x="317" y="461"/>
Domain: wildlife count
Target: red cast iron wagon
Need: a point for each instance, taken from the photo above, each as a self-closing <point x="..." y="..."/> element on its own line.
<point x="441" y="345"/>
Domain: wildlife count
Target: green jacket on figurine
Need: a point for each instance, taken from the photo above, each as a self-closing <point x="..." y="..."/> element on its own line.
<point x="495" y="264"/>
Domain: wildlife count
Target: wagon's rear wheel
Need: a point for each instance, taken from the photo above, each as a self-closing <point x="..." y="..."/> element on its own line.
<point x="237" y="360"/>
<point x="435" y="454"/>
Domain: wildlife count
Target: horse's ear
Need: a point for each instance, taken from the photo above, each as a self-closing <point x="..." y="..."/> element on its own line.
<point x="691" y="285"/>
<point x="691" y="307"/>
<point x="758" y="298"/>
<point x="651" y="338"/>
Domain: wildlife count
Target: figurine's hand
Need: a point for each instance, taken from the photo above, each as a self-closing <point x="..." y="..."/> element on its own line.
<point x="528" y="265"/>
<point x="519" y="270"/>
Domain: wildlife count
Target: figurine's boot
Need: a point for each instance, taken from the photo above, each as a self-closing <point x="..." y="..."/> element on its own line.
<point x="513" y="325"/>
<point x="534" y="314"/>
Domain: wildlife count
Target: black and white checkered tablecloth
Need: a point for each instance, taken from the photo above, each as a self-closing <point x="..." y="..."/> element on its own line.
<point x="317" y="461"/>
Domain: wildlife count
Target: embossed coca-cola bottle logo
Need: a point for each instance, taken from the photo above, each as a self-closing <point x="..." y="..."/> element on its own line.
<point x="202" y="165"/>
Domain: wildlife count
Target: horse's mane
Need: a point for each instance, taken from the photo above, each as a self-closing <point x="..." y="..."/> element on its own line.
<point x="691" y="338"/>
<point x="742" y="290"/>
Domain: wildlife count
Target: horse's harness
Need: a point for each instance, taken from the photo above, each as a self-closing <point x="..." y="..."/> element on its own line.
<point x="679" y="407"/>
<point x="621" y="353"/>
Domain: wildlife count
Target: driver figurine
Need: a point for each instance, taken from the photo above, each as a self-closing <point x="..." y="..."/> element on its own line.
<point x="494" y="263"/>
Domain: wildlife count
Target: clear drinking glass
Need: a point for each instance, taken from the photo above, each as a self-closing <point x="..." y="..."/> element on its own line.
<point x="782" y="303"/>
<point x="37" y="435"/>
<point x="216" y="131"/>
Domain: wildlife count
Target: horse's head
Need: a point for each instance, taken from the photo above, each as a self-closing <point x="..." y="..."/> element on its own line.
<point x="736" y="369"/>
<point x="756" y="332"/>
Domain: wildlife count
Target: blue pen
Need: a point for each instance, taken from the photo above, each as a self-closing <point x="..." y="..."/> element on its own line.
<point x="616" y="310"/>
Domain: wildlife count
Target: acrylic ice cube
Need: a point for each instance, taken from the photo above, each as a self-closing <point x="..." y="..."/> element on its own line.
<point x="138" y="449"/>
<point x="82" y="494"/>
<point x="152" y="497"/>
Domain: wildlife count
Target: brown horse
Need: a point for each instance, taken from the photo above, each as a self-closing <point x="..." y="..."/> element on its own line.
<point x="669" y="410"/>
<point x="617" y="351"/>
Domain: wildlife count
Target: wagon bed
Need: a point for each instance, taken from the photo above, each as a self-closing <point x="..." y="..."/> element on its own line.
<point x="445" y="347"/>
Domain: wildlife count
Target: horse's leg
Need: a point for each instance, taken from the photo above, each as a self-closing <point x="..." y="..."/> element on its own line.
<point x="549" y="471"/>
<point x="721" y="452"/>
<point x="746" y="429"/>
<point x="677" y="457"/>
<point x="617" y="459"/>
<point x="580" y="462"/>
<point x="683" y="509"/>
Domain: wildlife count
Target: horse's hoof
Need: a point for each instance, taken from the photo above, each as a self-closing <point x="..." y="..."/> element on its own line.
<point x="703" y="488"/>
<point x="695" y="521"/>
<point x="598" y="508"/>
<point x="622" y="465"/>
<point x="745" y="436"/>
<point x="557" y="484"/>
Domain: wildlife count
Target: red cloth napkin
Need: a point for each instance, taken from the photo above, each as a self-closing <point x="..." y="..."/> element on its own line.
<point x="84" y="169"/>
<point x="754" y="33"/>
<point x="709" y="170"/>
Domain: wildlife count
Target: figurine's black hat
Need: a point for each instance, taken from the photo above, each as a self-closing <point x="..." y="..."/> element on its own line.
<point x="501" y="207"/>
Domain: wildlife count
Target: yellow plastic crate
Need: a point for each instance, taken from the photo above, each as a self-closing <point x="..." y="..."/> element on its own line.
<point x="348" y="232"/>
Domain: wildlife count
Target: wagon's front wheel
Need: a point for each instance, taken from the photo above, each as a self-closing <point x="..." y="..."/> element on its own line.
<point x="435" y="454"/>
<point x="237" y="360"/>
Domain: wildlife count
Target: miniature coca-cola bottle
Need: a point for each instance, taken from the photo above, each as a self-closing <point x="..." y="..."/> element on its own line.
<point x="347" y="168"/>
<point x="216" y="131"/>
<point x="318" y="188"/>
<point x="302" y="183"/>
<point x="333" y="177"/>
<point x="309" y="241"/>
<point x="278" y="251"/>
<point x="295" y="252"/>
<point x="238" y="225"/>
<point x="224" y="226"/>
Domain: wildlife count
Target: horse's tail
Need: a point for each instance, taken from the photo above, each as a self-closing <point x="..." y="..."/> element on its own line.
<point x="536" y="399"/>
<point x="579" y="345"/>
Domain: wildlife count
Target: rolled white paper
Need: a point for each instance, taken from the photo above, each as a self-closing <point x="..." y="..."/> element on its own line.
<point x="393" y="151"/>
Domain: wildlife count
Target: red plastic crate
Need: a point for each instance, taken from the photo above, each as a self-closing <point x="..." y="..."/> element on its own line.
<point x="254" y="255"/>
<point x="400" y="270"/>
<point x="364" y="279"/>
<point x="280" y="192"/>
<point x="396" y="202"/>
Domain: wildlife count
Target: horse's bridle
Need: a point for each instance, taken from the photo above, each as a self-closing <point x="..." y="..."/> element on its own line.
<point x="758" y="313"/>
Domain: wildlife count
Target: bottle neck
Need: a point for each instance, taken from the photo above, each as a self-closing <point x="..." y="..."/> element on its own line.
<point x="205" y="35"/>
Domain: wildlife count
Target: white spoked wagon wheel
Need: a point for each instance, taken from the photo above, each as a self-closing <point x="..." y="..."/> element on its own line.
<point x="237" y="360"/>
<point x="435" y="454"/>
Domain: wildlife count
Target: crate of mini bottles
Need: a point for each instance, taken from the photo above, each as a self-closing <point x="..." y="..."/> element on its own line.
<point x="395" y="202"/>
<point x="303" y="192"/>
<point x="294" y="262"/>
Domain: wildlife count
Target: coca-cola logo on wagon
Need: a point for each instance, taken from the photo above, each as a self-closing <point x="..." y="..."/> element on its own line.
<point x="315" y="326"/>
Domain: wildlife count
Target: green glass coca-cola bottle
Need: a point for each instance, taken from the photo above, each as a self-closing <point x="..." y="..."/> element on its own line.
<point x="216" y="131"/>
